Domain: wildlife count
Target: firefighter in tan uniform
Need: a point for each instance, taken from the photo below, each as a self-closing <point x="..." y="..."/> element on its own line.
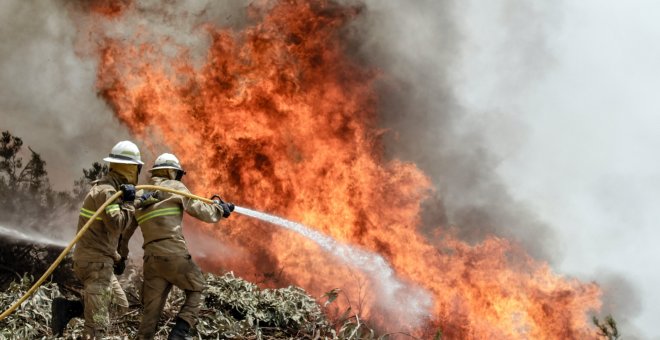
<point x="96" y="255"/>
<point x="167" y="261"/>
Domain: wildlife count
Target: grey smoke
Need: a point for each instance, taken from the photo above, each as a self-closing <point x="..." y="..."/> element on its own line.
<point x="47" y="94"/>
<point x="621" y="299"/>
<point x="419" y="44"/>
<point x="442" y="60"/>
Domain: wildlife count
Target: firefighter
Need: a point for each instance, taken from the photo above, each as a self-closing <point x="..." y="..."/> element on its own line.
<point x="167" y="261"/>
<point x="96" y="256"/>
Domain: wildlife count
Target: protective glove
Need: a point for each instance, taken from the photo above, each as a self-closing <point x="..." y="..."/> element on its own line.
<point x="227" y="208"/>
<point x="129" y="192"/>
<point x="120" y="266"/>
<point x="147" y="199"/>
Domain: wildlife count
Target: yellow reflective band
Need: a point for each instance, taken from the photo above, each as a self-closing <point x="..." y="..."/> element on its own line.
<point x="88" y="214"/>
<point x="159" y="212"/>
<point x="85" y="216"/>
<point x="166" y="213"/>
<point x="111" y="208"/>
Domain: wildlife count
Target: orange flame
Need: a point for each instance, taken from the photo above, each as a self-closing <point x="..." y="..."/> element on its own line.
<point x="280" y="118"/>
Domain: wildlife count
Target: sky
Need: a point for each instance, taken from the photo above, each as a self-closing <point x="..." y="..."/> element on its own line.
<point x="574" y="122"/>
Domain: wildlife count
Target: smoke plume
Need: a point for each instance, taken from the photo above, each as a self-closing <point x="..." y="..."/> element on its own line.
<point x="419" y="46"/>
<point x="422" y="47"/>
<point x="47" y="95"/>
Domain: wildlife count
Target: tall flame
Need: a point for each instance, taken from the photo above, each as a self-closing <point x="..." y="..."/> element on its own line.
<point x="279" y="117"/>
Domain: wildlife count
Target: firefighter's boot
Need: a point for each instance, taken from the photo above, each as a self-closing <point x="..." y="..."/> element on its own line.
<point x="180" y="331"/>
<point x="62" y="311"/>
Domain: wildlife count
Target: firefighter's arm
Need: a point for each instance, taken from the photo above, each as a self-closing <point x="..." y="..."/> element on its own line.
<point x="144" y="199"/>
<point x="209" y="213"/>
<point x="127" y="233"/>
<point x="124" y="238"/>
<point x="115" y="217"/>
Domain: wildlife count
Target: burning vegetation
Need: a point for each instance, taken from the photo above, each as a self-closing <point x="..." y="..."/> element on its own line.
<point x="233" y="309"/>
<point x="279" y="116"/>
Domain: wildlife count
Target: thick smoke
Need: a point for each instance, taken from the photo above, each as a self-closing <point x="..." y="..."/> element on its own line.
<point x="419" y="45"/>
<point x="47" y="95"/>
<point x="47" y="98"/>
<point x="621" y="299"/>
<point x="426" y="51"/>
<point x="173" y="26"/>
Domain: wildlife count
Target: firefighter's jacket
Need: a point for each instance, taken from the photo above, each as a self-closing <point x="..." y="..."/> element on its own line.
<point x="161" y="222"/>
<point x="100" y="242"/>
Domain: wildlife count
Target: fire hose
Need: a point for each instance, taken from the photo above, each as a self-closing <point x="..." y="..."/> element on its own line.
<point x="66" y="250"/>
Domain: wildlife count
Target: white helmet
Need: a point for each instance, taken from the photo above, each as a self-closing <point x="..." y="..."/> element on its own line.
<point x="167" y="161"/>
<point x="124" y="152"/>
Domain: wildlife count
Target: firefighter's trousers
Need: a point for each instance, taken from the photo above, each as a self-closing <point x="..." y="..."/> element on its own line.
<point x="160" y="274"/>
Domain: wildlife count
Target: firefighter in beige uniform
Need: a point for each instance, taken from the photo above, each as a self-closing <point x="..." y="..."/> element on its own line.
<point x="95" y="256"/>
<point x="167" y="261"/>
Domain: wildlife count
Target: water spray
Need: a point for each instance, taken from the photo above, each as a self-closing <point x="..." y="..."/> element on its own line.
<point x="368" y="262"/>
<point x="412" y="299"/>
<point x="32" y="237"/>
